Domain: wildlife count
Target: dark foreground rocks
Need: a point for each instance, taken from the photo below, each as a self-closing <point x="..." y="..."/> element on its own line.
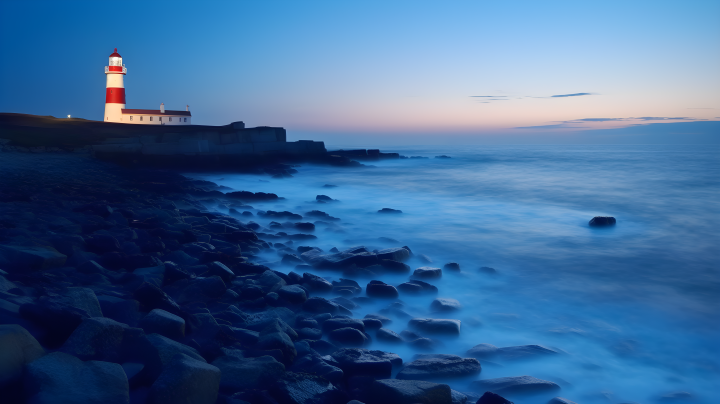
<point x="439" y="366"/>
<point x="390" y="391"/>
<point x="601" y="221"/>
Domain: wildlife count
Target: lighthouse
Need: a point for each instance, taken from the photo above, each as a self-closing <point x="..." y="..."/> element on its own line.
<point x="115" y="110"/>
<point x="115" y="88"/>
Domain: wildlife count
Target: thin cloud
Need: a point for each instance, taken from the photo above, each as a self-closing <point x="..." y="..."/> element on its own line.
<point x="570" y="95"/>
<point x="557" y="126"/>
<point x="487" y="96"/>
<point x="596" y="120"/>
<point x="663" y="118"/>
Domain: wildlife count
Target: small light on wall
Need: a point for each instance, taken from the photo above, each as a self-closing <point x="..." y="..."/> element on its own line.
<point x="68" y="116"/>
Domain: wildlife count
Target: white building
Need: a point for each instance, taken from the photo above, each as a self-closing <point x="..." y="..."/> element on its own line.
<point x="115" y="110"/>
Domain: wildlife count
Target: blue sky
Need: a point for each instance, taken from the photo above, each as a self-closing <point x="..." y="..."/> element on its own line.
<point x="468" y="70"/>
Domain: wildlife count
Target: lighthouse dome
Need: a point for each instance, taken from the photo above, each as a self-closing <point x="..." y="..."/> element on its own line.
<point x="115" y="54"/>
<point x="115" y="59"/>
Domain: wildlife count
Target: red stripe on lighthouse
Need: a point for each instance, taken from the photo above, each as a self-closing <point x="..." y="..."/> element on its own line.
<point x="114" y="95"/>
<point x="115" y="68"/>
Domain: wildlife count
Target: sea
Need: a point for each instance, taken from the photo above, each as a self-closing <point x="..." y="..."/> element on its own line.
<point x="633" y="310"/>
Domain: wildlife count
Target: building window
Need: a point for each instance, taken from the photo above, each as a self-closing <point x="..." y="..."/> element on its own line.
<point x="185" y="119"/>
<point x="160" y="119"/>
<point x="141" y="118"/>
<point x="131" y="117"/>
<point x="170" y="119"/>
<point x="150" y="119"/>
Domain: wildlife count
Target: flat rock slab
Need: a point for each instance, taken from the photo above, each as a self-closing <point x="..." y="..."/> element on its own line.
<point x="364" y="362"/>
<point x="515" y="385"/>
<point x="33" y="257"/>
<point x="436" y="326"/>
<point x="510" y="353"/>
<point x="303" y="388"/>
<point x="439" y="366"/>
<point x="445" y="305"/>
<point x="59" y="378"/>
<point x="427" y="273"/>
<point x="391" y="391"/>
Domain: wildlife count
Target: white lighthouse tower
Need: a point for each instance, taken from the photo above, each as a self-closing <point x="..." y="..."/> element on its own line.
<point x="115" y="88"/>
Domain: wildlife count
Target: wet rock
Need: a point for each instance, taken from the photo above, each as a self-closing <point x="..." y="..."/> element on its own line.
<point x="186" y="380"/>
<point x="439" y="366"/>
<point x="152" y="297"/>
<point x="392" y="391"/>
<point x="554" y="400"/>
<point x="424" y="344"/>
<point x="427" y="273"/>
<point x="372" y="323"/>
<point x="511" y="353"/>
<point x="380" y="289"/>
<point x="274" y="336"/>
<point x="482" y="351"/>
<point x="384" y="320"/>
<point x="126" y="311"/>
<point x="398" y="254"/>
<point x="102" y="243"/>
<point x="247" y="373"/>
<point x="436" y="326"/>
<point x="313" y="363"/>
<point x="247" y="337"/>
<point x="96" y="338"/>
<point x="515" y="385"/>
<point x="17" y="349"/>
<point x="324" y="198"/>
<point x="270" y="281"/>
<point x="291" y="259"/>
<point x="337" y="323"/>
<point x="488" y="270"/>
<point x="394" y="266"/>
<point x="452" y="266"/>
<point x="445" y="305"/>
<point x="351" y="337"/>
<point x="389" y="210"/>
<point x="221" y="270"/>
<point x="425" y="259"/>
<point x="364" y="362"/>
<point x="31" y="257"/>
<point x="181" y="258"/>
<point x="303" y="388"/>
<point x="310" y="333"/>
<point x="348" y="285"/>
<point x="317" y="283"/>
<point x="161" y="322"/>
<point x="62" y="378"/>
<point x="599" y="221"/>
<point x="304" y="226"/>
<point x="492" y="398"/>
<point x="390" y="336"/>
<point x="157" y="352"/>
<point x="293" y="294"/>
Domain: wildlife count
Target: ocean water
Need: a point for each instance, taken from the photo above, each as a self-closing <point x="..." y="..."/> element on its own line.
<point x="634" y="309"/>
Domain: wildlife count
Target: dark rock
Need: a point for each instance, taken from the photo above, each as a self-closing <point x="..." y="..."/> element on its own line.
<point x="388" y="210"/>
<point x="62" y="378"/>
<point x="306" y="323"/>
<point x="452" y="266"/>
<point x="31" y="257"/>
<point x="398" y="254"/>
<point x="436" y="326"/>
<point x="247" y="373"/>
<point x="102" y="243"/>
<point x="304" y="226"/>
<point x="445" y="305"/>
<point x="97" y="338"/>
<point x="247" y="337"/>
<point x="181" y="258"/>
<point x="337" y="323"/>
<point x="415" y="287"/>
<point x="392" y="391"/>
<point x="598" y="221"/>
<point x="293" y="294"/>
<point x="320" y="305"/>
<point x="492" y="398"/>
<point x="443" y="157"/>
<point x="166" y="324"/>
<point x="515" y="385"/>
<point x="313" y="363"/>
<point x="317" y="283"/>
<point x="303" y="388"/>
<point x="186" y="380"/>
<point x="372" y="323"/>
<point x="439" y="366"/>
<point x="320" y="215"/>
<point x="310" y="333"/>
<point x="249" y="196"/>
<point x="364" y="362"/>
<point x="221" y="270"/>
<point x="424" y="344"/>
<point x="323" y="347"/>
<point x="344" y="302"/>
<point x="488" y="270"/>
<point x="346" y="284"/>
<point x="173" y="273"/>
<point x="427" y="273"/>
<point x="152" y="297"/>
<point x="324" y="198"/>
<point x="291" y="259"/>
<point x="17" y="349"/>
<point x="157" y="353"/>
<point x="126" y="311"/>
<point x="380" y="289"/>
<point x="274" y="336"/>
<point x="561" y="400"/>
<point x="351" y="337"/>
<point x="384" y="320"/>
<point x="482" y="351"/>
<point x="270" y="281"/>
<point x="390" y="336"/>
<point x="511" y="353"/>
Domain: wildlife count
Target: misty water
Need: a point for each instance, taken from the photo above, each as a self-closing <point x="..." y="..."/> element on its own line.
<point x="634" y="308"/>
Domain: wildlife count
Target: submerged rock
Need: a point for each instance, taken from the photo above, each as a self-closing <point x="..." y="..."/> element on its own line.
<point x="436" y="326"/>
<point x="492" y="398"/>
<point x="439" y="366"/>
<point x="445" y="305"/>
<point x="364" y="362"/>
<point x="389" y="210"/>
<point x="515" y="385"/>
<point x="598" y="221"/>
<point x="427" y="273"/>
<point x="380" y="289"/>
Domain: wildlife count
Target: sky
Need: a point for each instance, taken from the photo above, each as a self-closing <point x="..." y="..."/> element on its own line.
<point x="400" y="71"/>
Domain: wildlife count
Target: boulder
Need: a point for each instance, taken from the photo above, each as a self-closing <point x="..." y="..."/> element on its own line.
<point x="515" y="385"/>
<point x="126" y="311"/>
<point x="17" y="349"/>
<point x="316" y="283"/>
<point x="274" y="336"/>
<point x="372" y="324"/>
<point x="348" y="285"/>
<point x="313" y="363"/>
<point x="348" y="337"/>
<point x="389" y="210"/>
<point x="221" y="270"/>
<point x="97" y="338"/>
<point x="599" y="221"/>
<point x="247" y="373"/>
<point x="452" y="266"/>
<point x="439" y="366"/>
<point x="320" y="305"/>
<point x="394" y="266"/>
<point x="303" y="388"/>
<point x="186" y="381"/>
<point x="31" y="257"/>
<point x="364" y="362"/>
<point x="392" y="391"/>
<point x="556" y="400"/>
<point x="427" y="273"/>
<point x="436" y="326"/>
<point x="102" y="243"/>
<point x="482" y="351"/>
<point x="492" y="398"/>
<point x="310" y="333"/>
<point x="390" y="336"/>
<point x="269" y="281"/>
<point x="152" y="297"/>
<point x="380" y="289"/>
<point x="157" y="352"/>
<point x="384" y="320"/>
<point x="291" y="259"/>
<point x="445" y="305"/>
<point x="511" y="353"/>
<point x="337" y="323"/>
<point x="293" y="294"/>
<point x="59" y="378"/>
<point x="161" y="322"/>
<point x="398" y="254"/>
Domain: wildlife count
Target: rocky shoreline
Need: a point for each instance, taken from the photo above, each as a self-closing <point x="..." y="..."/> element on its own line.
<point x="118" y="285"/>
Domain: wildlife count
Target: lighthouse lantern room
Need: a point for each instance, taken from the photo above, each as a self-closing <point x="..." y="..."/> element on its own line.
<point x="115" y="110"/>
